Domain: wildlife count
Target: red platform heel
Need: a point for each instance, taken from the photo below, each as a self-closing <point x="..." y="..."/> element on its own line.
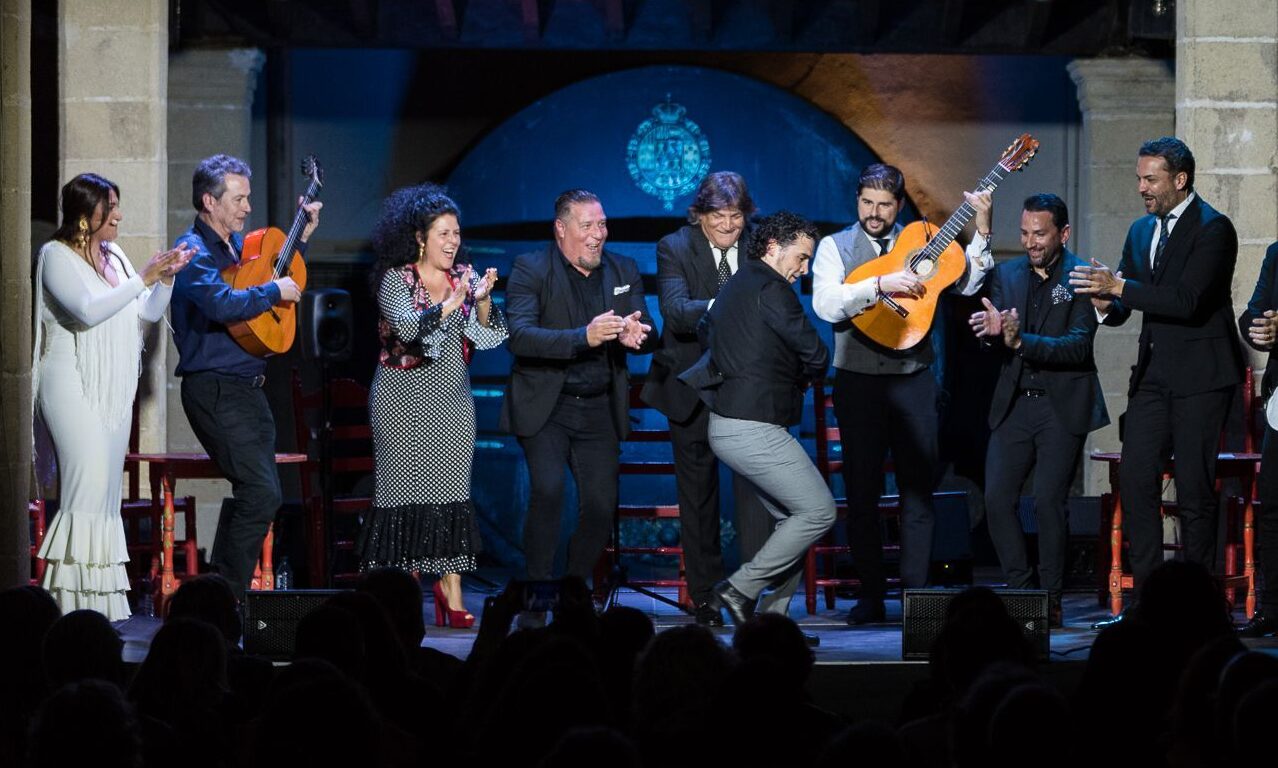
<point x="461" y="619"/>
<point x="441" y="607"/>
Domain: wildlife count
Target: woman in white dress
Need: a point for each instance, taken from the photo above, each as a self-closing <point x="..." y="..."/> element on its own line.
<point x="88" y="346"/>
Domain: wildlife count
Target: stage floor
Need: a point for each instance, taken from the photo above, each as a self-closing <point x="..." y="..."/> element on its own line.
<point x="839" y="643"/>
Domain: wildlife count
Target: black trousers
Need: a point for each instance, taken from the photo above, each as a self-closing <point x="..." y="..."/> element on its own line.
<point x="233" y="421"/>
<point x="580" y="434"/>
<point x="1267" y="547"/>
<point x="697" y="484"/>
<point x="1031" y="437"/>
<point x="1159" y="425"/>
<point x="877" y="413"/>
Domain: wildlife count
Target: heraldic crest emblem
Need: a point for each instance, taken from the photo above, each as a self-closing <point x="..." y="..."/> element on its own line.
<point x="668" y="155"/>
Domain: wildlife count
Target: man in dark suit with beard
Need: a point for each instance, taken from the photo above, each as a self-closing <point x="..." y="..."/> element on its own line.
<point x="575" y="311"/>
<point x="1177" y="269"/>
<point x="1047" y="398"/>
<point x="693" y="263"/>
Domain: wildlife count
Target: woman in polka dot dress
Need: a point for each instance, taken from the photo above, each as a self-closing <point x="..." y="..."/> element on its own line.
<point x="434" y="313"/>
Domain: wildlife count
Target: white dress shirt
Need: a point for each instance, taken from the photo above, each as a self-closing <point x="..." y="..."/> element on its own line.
<point x="732" y="261"/>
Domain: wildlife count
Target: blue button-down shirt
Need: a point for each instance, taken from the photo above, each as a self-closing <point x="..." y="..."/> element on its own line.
<point x="203" y="304"/>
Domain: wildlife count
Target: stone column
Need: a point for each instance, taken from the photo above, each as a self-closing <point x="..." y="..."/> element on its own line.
<point x="1124" y="102"/>
<point x="15" y="277"/>
<point x="112" y="80"/>
<point x="210" y="99"/>
<point x="1227" y="112"/>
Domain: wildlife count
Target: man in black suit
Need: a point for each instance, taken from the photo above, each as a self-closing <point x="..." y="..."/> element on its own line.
<point x="1047" y="398"/>
<point x="762" y="352"/>
<point x="1259" y="326"/>
<point x="575" y="311"/>
<point x="693" y="263"/>
<point x="1177" y="268"/>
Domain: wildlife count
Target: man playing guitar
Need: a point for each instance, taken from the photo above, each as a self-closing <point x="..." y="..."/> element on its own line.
<point x="221" y="382"/>
<point x="885" y="398"/>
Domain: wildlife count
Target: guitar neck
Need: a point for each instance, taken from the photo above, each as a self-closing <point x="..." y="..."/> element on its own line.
<point x="959" y="219"/>
<point x="294" y="233"/>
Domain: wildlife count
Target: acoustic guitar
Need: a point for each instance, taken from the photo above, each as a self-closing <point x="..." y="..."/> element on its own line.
<point x="269" y="255"/>
<point x="899" y="321"/>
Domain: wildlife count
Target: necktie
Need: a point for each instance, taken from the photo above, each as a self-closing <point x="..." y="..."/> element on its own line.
<point x="882" y="243"/>
<point x="1164" y="229"/>
<point x="725" y="271"/>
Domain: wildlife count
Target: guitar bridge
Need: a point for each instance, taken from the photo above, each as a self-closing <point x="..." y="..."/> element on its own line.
<point x="893" y="305"/>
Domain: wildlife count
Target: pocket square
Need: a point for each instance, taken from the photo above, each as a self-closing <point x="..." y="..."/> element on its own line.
<point x="1060" y="294"/>
<point x="620" y="289"/>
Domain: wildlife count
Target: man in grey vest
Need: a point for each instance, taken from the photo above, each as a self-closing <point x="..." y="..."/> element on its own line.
<point x="884" y="398"/>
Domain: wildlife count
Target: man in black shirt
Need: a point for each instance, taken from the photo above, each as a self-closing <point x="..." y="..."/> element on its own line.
<point x="575" y="311"/>
<point x="1047" y="398"/>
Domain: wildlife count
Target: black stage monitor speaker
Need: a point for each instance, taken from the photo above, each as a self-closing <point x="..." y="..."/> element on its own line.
<point x="271" y="617"/>
<point x="924" y="614"/>
<point x="327" y="325"/>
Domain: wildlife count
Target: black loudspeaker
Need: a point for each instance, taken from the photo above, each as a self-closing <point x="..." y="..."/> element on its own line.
<point x="924" y="614"/>
<point x="327" y="325"/>
<point x="271" y="617"/>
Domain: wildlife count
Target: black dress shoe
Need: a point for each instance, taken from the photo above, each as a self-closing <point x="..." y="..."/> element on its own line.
<point x="1109" y="621"/>
<point x="1261" y="625"/>
<point x="732" y="600"/>
<point x="867" y="612"/>
<point x="813" y="640"/>
<point x="708" y="616"/>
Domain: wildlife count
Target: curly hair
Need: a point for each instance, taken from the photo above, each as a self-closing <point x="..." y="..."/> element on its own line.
<point x="405" y="213"/>
<point x="783" y="228"/>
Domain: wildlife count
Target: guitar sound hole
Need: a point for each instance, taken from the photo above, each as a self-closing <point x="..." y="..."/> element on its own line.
<point x="924" y="267"/>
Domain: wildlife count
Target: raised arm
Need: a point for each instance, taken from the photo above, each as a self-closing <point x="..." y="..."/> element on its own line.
<point x="679" y="312"/>
<point x="68" y="283"/>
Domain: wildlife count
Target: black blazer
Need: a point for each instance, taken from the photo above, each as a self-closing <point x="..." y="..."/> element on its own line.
<point x="761" y="349"/>
<point x="544" y="339"/>
<point x="1187" y="305"/>
<point x="1264" y="298"/>
<point x="1061" y="351"/>
<point x="687" y="279"/>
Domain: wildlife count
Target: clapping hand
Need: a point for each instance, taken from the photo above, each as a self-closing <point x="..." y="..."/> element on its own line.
<point x="165" y="264"/>
<point x="1263" y="329"/>
<point x="484" y="286"/>
<point x="634" y="331"/>
<point x="453" y="297"/>
<point x="1011" y="328"/>
<point x="987" y="322"/>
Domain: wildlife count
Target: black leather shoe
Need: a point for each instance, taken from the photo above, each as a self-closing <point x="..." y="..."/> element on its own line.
<point x="1055" y="613"/>
<point x="867" y="612"/>
<point x="731" y="599"/>
<point x="708" y="616"/>
<point x="1260" y="625"/>
<point x="813" y="640"/>
<point x="1109" y="621"/>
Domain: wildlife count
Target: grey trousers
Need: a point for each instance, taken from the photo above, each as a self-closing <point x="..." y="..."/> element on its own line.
<point x="791" y="490"/>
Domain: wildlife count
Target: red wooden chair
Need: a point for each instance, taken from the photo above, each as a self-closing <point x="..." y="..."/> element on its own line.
<point x="35" y="514"/>
<point x="352" y="460"/>
<point x="646" y="435"/>
<point x="1239" y="516"/>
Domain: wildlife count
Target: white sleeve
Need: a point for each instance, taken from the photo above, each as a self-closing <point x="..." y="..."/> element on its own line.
<point x="832" y="299"/>
<point x="154" y="300"/>
<point x="980" y="260"/>
<point x="67" y="283"/>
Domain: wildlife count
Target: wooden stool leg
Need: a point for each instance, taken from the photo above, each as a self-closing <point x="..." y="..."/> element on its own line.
<point x="168" y="581"/>
<point x="1116" y="558"/>
<point x="809" y="581"/>
<point x="1249" y="554"/>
